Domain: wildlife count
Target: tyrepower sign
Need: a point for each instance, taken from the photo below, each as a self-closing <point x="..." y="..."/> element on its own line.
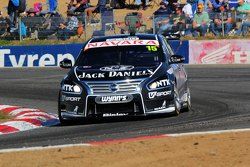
<point x="37" y="56"/>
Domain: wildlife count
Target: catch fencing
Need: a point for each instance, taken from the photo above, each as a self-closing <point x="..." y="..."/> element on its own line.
<point x="54" y="26"/>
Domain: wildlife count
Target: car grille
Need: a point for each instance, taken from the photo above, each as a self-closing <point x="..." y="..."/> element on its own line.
<point x="104" y="87"/>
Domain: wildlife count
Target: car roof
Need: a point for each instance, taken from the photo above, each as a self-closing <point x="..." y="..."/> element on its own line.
<point x="140" y="36"/>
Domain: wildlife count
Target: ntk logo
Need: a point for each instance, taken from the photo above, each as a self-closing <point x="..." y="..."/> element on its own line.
<point x="67" y="88"/>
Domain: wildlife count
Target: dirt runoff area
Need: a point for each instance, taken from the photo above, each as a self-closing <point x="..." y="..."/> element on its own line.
<point x="228" y="149"/>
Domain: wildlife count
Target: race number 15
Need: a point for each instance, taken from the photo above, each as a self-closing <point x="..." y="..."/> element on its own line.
<point x="152" y="48"/>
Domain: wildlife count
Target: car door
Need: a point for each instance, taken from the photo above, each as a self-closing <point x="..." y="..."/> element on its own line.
<point x="176" y="68"/>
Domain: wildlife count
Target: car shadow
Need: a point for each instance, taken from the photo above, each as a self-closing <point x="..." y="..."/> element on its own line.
<point x="101" y="120"/>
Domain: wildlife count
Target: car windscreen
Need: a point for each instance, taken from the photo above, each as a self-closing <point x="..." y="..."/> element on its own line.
<point x="138" y="56"/>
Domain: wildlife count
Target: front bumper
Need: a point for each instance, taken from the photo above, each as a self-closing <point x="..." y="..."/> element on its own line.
<point x="88" y="106"/>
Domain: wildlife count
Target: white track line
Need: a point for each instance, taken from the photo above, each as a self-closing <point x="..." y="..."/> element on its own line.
<point x="20" y="125"/>
<point x="42" y="148"/>
<point x="208" y="132"/>
<point x="17" y="111"/>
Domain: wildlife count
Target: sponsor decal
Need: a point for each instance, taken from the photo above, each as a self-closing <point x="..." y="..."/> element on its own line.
<point x="152" y="95"/>
<point x="67" y="98"/>
<point x="123" y="39"/>
<point x="121" y="43"/>
<point x="219" y="52"/>
<point x="113" y="99"/>
<point x="117" y="68"/>
<point x="31" y="60"/>
<point x="91" y="75"/>
<point x="160" y="83"/>
<point x="113" y="74"/>
<point x="114" y="114"/>
<point x="67" y="88"/>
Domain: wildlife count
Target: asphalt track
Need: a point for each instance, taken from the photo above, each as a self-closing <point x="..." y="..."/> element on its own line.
<point x="220" y="101"/>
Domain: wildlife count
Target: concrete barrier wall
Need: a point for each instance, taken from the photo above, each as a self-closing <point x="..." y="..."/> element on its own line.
<point x="195" y="52"/>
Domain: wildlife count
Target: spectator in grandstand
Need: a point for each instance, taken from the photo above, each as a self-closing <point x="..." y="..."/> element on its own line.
<point x="221" y="20"/>
<point x="31" y="12"/>
<point x="101" y="5"/>
<point x="79" y="6"/>
<point x="200" y="22"/>
<point x="12" y="12"/>
<point x="244" y="10"/>
<point x="3" y="24"/>
<point x="69" y="29"/>
<point x="52" y="5"/>
<point x="38" y="7"/>
<point x="244" y="7"/>
<point x="175" y="24"/>
<point x="178" y="20"/>
<point x="216" y="4"/>
<point x="54" y="22"/>
<point x="232" y="4"/>
<point x="172" y="4"/>
<point x="187" y="10"/>
<point x="164" y="9"/>
<point x="143" y="4"/>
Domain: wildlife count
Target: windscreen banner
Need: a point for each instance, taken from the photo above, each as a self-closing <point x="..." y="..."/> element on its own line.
<point x="219" y="52"/>
<point x="51" y="55"/>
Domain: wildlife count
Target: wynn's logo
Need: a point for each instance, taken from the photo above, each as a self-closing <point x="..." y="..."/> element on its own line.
<point x="117" y="68"/>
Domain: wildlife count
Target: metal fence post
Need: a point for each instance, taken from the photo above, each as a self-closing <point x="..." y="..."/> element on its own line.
<point x="153" y="24"/>
<point x="222" y="24"/>
<point x="20" y="28"/>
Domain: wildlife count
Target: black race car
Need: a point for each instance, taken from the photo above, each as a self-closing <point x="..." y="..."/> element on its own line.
<point x="124" y="75"/>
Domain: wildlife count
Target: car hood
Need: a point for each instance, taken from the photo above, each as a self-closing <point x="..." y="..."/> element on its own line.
<point x="118" y="72"/>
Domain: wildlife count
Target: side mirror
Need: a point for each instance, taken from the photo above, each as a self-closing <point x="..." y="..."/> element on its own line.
<point x="175" y="59"/>
<point x="66" y="63"/>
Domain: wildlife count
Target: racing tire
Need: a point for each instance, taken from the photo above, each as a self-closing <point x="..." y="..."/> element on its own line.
<point x="177" y="104"/>
<point x="187" y="102"/>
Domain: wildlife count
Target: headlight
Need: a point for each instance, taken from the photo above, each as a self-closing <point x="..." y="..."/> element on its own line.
<point x="71" y="88"/>
<point x="77" y="89"/>
<point x="159" y="84"/>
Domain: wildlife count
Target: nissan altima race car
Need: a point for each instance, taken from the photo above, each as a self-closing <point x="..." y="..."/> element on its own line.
<point x="124" y="75"/>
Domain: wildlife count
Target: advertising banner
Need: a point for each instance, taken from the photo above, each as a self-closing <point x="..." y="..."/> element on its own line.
<point x="37" y="56"/>
<point x="51" y="55"/>
<point x="219" y="52"/>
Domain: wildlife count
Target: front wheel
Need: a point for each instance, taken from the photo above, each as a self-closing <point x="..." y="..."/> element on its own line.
<point x="177" y="104"/>
<point x="187" y="103"/>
